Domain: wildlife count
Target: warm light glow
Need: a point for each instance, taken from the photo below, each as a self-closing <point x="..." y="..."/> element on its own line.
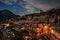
<point x="52" y="31"/>
<point x="38" y="29"/>
<point x="6" y="25"/>
<point x="22" y="28"/>
<point x="26" y="38"/>
<point x="45" y="27"/>
<point x="13" y="35"/>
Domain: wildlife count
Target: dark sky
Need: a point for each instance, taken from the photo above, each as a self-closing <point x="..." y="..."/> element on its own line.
<point x="22" y="7"/>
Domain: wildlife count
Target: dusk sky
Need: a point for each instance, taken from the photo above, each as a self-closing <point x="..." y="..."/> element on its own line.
<point x="22" y="7"/>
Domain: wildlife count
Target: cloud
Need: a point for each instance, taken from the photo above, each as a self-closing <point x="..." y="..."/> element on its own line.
<point x="8" y="2"/>
<point x="43" y="4"/>
<point x="30" y="5"/>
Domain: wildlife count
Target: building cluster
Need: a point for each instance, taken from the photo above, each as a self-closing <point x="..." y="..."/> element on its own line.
<point x="51" y="16"/>
<point x="29" y="26"/>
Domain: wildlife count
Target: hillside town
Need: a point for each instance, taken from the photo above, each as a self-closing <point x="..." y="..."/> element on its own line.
<point x="35" y="26"/>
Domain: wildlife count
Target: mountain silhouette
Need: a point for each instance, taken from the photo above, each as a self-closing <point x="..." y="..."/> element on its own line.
<point x="6" y="14"/>
<point x="49" y="12"/>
